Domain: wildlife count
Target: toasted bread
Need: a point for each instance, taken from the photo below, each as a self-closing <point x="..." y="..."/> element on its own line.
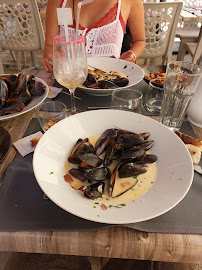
<point x="189" y="140"/>
<point x="35" y="140"/>
<point x="195" y="153"/>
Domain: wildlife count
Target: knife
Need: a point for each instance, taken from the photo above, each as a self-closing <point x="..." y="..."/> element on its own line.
<point x="198" y="169"/>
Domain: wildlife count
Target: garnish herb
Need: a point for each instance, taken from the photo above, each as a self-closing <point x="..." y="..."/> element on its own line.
<point x="51" y="173"/>
<point x="135" y="177"/>
<point x="118" y="206"/>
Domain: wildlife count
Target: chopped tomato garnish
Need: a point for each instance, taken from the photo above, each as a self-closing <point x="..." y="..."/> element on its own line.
<point x="68" y="178"/>
<point x="104" y="207"/>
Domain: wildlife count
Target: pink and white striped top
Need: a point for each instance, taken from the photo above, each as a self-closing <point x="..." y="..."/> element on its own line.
<point x="104" y="38"/>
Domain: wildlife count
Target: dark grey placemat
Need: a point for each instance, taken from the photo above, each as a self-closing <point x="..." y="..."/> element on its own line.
<point x="186" y="217"/>
<point x="22" y="207"/>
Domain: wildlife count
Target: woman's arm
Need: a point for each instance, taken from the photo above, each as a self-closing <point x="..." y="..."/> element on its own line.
<point x="137" y="29"/>
<point x="52" y="29"/>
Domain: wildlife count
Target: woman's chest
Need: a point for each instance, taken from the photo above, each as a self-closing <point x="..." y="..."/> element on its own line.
<point x="100" y="11"/>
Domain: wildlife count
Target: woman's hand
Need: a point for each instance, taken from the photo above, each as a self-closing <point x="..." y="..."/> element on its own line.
<point x="128" y="56"/>
<point x="46" y="63"/>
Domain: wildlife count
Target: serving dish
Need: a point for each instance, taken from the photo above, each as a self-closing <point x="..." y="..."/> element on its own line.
<point x="5" y="143"/>
<point x="154" y="68"/>
<point x="133" y="72"/>
<point x="174" y="166"/>
<point x="36" y="100"/>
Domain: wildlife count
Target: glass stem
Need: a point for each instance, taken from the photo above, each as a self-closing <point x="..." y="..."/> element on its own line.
<point x="73" y="107"/>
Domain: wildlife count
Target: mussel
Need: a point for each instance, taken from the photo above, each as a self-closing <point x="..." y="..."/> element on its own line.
<point x="95" y="190"/>
<point x="3" y="92"/>
<point x="36" y="88"/>
<point x="14" y="92"/>
<point x="99" y="174"/>
<point x="98" y="79"/>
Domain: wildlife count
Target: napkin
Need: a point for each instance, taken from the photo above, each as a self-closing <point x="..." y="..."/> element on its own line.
<point x="25" y="146"/>
<point x="54" y="91"/>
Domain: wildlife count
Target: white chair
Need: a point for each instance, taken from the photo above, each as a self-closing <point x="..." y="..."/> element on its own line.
<point x="188" y="31"/>
<point x="21" y="29"/>
<point x="160" y="27"/>
<point x="193" y="48"/>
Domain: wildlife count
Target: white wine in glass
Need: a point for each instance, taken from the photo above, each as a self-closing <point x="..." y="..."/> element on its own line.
<point x="70" y="66"/>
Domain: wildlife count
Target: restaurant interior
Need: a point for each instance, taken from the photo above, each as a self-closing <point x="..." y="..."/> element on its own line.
<point x="175" y="248"/>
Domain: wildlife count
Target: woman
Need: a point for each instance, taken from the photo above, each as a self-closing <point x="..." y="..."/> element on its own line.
<point x="103" y="23"/>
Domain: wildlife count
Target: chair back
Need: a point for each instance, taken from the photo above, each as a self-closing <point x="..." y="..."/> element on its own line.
<point x="20" y="26"/>
<point x="160" y="27"/>
<point x="198" y="53"/>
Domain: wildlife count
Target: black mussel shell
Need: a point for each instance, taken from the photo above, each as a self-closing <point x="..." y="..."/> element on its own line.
<point x="38" y="89"/>
<point x="129" y="139"/>
<point x="104" y="140"/>
<point x="90" y="80"/>
<point x="20" y="87"/>
<point x="79" y="174"/>
<point x="146" y="145"/>
<point x="90" y="159"/>
<point x="26" y="97"/>
<point x="148" y="158"/>
<point x="109" y="155"/>
<point x="12" y="106"/>
<point x="131" y="169"/>
<point x="104" y="84"/>
<point x="99" y="174"/>
<point x="3" y="92"/>
<point x="95" y="190"/>
<point x="74" y="159"/>
<point x="83" y="146"/>
<point x="120" y="81"/>
<point x="132" y="153"/>
<point x="112" y="180"/>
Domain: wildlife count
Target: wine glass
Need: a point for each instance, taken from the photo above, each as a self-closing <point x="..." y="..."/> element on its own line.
<point x="70" y="66"/>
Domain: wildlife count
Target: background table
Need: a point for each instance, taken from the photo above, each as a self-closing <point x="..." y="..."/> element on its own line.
<point x="114" y="242"/>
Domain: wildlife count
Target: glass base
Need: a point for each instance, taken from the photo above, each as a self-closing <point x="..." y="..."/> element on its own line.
<point x="69" y="112"/>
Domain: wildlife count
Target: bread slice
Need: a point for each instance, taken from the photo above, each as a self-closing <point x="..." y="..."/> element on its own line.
<point x="195" y="153"/>
<point x="189" y="140"/>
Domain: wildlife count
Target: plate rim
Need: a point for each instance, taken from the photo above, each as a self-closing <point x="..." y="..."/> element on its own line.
<point x="123" y="222"/>
<point x="12" y="115"/>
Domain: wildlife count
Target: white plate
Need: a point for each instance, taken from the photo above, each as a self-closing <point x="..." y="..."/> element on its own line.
<point x="175" y="169"/>
<point x="33" y="104"/>
<point x="134" y="73"/>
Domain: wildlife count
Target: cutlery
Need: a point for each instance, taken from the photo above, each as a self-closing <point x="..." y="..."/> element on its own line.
<point x="198" y="169"/>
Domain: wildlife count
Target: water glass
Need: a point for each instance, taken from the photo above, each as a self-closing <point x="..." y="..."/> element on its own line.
<point x="154" y="96"/>
<point x="49" y="113"/>
<point x="127" y="99"/>
<point x="179" y="87"/>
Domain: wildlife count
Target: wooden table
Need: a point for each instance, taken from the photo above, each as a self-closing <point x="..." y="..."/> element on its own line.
<point x="114" y="242"/>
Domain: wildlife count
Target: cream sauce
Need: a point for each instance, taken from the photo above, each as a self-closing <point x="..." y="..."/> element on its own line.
<point x="144" y="182"/>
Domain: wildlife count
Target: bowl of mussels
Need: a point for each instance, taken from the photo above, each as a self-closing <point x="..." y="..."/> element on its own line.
<point x="20" y="94"/>
<point x="106" y="74"/>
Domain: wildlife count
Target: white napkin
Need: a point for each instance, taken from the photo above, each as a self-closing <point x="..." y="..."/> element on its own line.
<point x="54" y="91"/>
<point x="24" y="146"/>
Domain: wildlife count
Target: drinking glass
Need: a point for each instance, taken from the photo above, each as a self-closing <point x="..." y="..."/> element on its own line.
<point x="49" y="113"/>
<point x="70" y="66"/>
<point x="179" y="87"/>
<point x="127" y="99"/>
<point x="154" y="96"/>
